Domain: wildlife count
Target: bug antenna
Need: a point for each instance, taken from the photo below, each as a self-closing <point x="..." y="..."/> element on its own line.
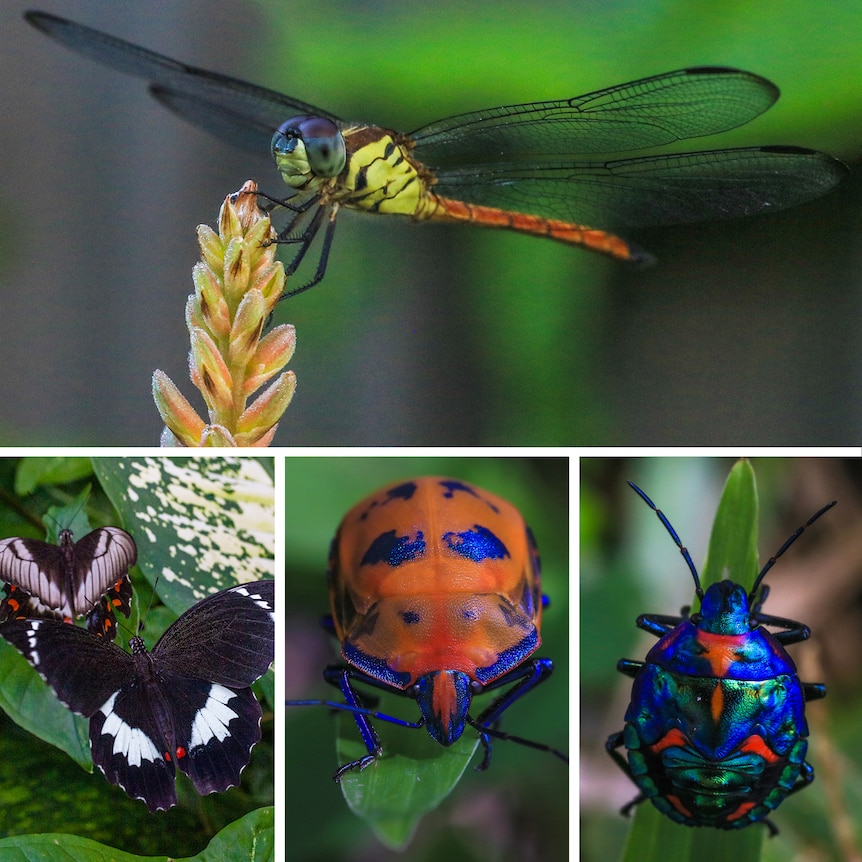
<point x="790" y="540"/>
<point x="669" y="527"/>
<point x="68" y="513"/>
<point x="142" y="616"/>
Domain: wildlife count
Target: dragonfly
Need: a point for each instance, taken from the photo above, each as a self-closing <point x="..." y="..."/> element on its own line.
<point x="515" y="167"/>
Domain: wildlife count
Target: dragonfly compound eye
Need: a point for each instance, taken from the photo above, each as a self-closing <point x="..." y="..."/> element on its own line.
<point x="309" y="145"/>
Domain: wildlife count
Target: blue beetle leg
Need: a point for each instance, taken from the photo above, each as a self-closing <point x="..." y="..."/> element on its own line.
<point x="486" y="749"/>
<point x="629" y="667"/>
<point x="813" y="690"/>
<point x="527" y="677"/>
<point x="773" y="829"/>
<point x="658" y="624"/>
<point x="614" y="741"/>
<point x="795" y="631"/>
<point x="340" y="678"/>
<point x="805" y="777"/>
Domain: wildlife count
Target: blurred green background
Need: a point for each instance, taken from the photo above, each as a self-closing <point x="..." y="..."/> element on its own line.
<point x="629" y="565"/>
<point x="745" y="331"/>
<point x="518" y="810"/>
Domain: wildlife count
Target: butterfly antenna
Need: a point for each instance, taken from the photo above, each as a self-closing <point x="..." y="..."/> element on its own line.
<point x="142" y="617"/>
<point x="69" y="513"/>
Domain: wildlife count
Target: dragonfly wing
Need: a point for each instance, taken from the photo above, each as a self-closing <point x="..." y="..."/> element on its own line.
<point x="653" y="190"/>
<point x="242" y="131"/>
<point x="257" y="105"/>
<point x="650" y="112"/>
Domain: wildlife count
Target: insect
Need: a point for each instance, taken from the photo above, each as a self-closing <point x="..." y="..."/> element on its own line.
<point x="516" y="167"/>
<point x="716" y="732"/>
<point x="435" y="592"/>
<point x="187" y="704"/>
<point x="90" y="577"/>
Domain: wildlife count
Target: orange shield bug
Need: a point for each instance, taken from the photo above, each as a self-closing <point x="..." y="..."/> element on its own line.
<point x="435" y="591"/>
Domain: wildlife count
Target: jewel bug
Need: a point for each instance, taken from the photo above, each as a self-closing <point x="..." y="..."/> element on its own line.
<point x="435" y="593"/>
<point x="715" y="731"/>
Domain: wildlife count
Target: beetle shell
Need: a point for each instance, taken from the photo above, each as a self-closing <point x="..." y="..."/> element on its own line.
<point x="431" y="576"/>
<point x="716" y="731"/>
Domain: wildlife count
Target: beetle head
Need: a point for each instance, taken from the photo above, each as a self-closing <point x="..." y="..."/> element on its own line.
<point x="724" y="609"/>
<point x="444" y="698"/>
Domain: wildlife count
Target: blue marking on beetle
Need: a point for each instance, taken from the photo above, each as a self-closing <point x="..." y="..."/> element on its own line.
<point x="477" y="544"/>
<point x="509" y="658"/>
<point x="394" y="550"/>
<point x="374" y="666"/>
<point x="451" y="486"/>
<point x="410" y="617"/>
<point x="404" y="491"/>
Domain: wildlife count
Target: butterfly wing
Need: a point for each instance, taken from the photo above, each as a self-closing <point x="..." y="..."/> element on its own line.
<point x="19" y="605"/>
<point x="102" y="620"/>
<point x="206" y="662"/>
<point x="71" y="578"/>
<point x="83" y="670"/>
<point x="127" y="742"/>
<point x="101" y="560"/>
<point x="227" y="638"/>
<point x="37" y="568"/>
<point x="217" y="727"/>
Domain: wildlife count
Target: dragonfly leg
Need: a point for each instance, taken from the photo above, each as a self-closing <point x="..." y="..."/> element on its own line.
<point x="311" y="231"/>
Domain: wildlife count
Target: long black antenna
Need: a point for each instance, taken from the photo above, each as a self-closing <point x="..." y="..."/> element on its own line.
<point x="791" y="539"/>
<point x="682" y="548"/>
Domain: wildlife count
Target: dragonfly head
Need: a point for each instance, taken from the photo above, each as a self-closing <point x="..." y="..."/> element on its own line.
<point x="306" y="149"/>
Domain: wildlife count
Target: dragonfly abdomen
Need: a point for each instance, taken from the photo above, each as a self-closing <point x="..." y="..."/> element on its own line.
<point x="448" y="209"/>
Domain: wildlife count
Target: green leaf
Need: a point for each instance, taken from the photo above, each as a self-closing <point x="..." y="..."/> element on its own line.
<point x="249" y="839"/>
<point x="33" y="472"/>
<point x="201" y="524"/>
<point x="412" y="777"/>
<point x="733" y="542"/>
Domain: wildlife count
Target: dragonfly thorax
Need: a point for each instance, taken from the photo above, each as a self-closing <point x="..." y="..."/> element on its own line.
<point x="306" y="149"/>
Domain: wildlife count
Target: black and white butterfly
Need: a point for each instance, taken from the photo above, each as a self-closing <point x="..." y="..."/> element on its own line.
<point x="186" y="704"/>
<point x="68" y="580"/>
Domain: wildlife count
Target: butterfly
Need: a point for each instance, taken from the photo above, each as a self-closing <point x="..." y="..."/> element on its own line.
<point x="70" y="579"/>
<point x="187" y="704"/>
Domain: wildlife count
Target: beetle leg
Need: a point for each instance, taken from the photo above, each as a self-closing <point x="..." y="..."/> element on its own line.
<point x="629" y="667"/>
<point x="527" y="677"/>
<point x="658" y="624"/>
<point x="340" y="677"/>
<point x="813" y="690"/>
<point x="614" y="741"/>
<point x="805" y="777"/>
<point x="795" y="631"/>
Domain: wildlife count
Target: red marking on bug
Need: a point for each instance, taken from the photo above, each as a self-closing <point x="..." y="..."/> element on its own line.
<point x="675" y="801"/>
<point x="672" y="739"/>
<point x="181" y="752"/>
<point x="721" y="651"/>
<point x="741" y="811"/>
<point x="755" y="744"/>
